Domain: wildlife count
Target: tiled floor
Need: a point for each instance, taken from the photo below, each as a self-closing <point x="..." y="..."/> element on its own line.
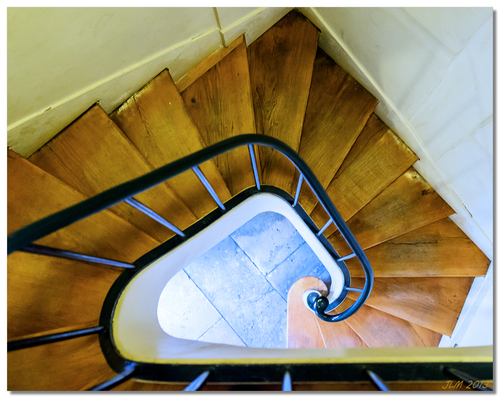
<point x="236" y="292"/>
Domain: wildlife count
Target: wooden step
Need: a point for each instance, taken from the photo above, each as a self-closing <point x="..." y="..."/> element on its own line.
<point x="434" y="303"/>
<point x="220" y="103"/>
<point x="379" y="329"/>
<point x="281" y="63"/>
<point x="405" y="205"/>
<point x="70" y="365"/>
<point x="157" y="121"/>
<point x="46" y="293"/>
<point x="92" y="155"/>
<point x="302" y="328"/>
<point x="377" y="158"/>
<point x="337" y="110"/>
<point x="306" y="330"/>
<point x="437" y="249"/>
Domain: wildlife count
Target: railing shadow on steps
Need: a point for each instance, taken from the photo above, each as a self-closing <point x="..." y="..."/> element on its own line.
<point x="22" y="240"/>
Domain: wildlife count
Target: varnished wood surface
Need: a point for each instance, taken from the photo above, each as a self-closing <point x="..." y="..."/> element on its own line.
<point x="194" y="74"/>
<point x="302" y="328"/>
<point x="377" y="158"/>
<point x="430" y="338"/>
<point x="437" y="249"/>
<point x="379" y="329"/>
<point x="220" y="103"/>
<point x="340" y="335"/>
<point x="157" y="122"/>
<point x="337" y="110"/>
<point x="69" y="365"/>
<point x="281" y="63"/>
<point x="434" y="303"/>
<point x="46" y="293"/>
<point x="92" y="155"/>
<point x="405" y="205"/>
<point x="33" y="194"/>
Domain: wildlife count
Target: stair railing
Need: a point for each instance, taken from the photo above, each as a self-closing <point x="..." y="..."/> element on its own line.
<point x="22" y="240"/>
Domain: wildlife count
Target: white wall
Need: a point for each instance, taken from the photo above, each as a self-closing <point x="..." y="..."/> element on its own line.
<point x="432" y="69"/>
<point x="60" y="61"/>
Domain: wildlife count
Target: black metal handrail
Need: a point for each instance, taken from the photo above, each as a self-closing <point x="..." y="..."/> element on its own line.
<point x="23" y="238"/>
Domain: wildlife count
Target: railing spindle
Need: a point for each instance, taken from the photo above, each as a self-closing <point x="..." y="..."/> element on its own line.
<point x="287" y="382"/>
<point x="127" y="374"/>
<point x="377" y="381"/>
<point x="457" y="374"/>
<point x="51" y="338"/>
<point x="146" y="210"/>
<point x="207" y="185"/>
<point x="352" y="255"/>
<point x="198" y="382"/>
<point x="297" y="192"/>
<point x="327" y="224"/>
<point x="254" y="166"/>
<point x="52" y="252"/>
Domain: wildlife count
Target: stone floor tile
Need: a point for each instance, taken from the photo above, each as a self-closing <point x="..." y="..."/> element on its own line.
<point x="221" y="333"/>
<point x="183" y="310"/>
<point x="244" y="297"/>
<point x="268" y="239"/>
<point x="303" y="262"/>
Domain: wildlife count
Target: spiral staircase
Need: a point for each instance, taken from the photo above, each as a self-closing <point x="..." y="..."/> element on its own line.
<point x="283" y="86"/>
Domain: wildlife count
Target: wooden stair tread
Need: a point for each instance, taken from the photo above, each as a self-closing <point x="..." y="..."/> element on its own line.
<point x="302" y="329"/>
<point x="337" y="110"/>
<point x="377" y="158"/>
<point x="92" y="155"/>
<point x="405" y="205"/>
<point x="158" y="123"/>
<point x="220" y="103"/>
<point x="30" y="187"/>
<point x="437" y="249"/>
<point x="340" y="335"/>
<point x="430" y="338"/>
<point x="47" y="293"/>
<point x="434" y="303"/>
<point x="281" y="63"/>
<point x="194" y="74"/>
<point x="379" y="329"/>
<point x="70" y="365"/>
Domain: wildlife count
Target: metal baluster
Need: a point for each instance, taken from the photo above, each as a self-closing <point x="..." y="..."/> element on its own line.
<point x="115" y="381"/>
<point x="377" y="381"/>
<point x="297" y="192"/>
<point x="198" y="382"/>
<point x="353" y="289"/>
<point x="352" y="255"/>
<point x="254" y="166"/>
<point x="287" y="382"/>
<point x="457" y="374"/>
<point x="51" y="338"/>
<point x="146" y="210"/>
<point x="207" y="185"/>
<point x="324" y="227"/>
<point x="50" y="251"/>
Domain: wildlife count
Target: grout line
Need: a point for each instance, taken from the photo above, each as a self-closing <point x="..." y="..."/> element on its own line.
<point x="210" y="301"/>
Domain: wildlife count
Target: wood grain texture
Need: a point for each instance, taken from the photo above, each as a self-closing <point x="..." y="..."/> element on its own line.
<point x="377" y="158"/>
<point x="302" y="329"/>
<point x="157" y="122"/>
<point x="281" y="63"/>
<point x="92" y="155"/>
<point x="340" y="335"/>
<point x="33" y="194"/>
<point x="194" y="74"/>
<point x="337" y="110"/>
<point x="430" y="338"/>
<point x="69" y="365"/>
<point x="405" y="205"/>
<point x="434" y="303"/>
<point x="220" y="103"/>
<point x="437" y="249"/>
<point x="46" y="293"/>
<point x="379" y="329"/>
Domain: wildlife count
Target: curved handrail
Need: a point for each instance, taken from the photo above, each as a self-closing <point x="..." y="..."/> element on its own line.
<point x="37" y="230"/>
